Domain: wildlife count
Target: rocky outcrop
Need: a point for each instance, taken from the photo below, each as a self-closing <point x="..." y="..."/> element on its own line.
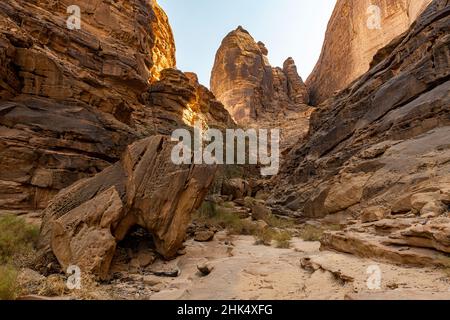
<point x="379" y="149"/>
<point x="250" y="89"/>
<point x="354" y="36"/>
<point x="84" y="222"/>
<point x="71" y="101"/>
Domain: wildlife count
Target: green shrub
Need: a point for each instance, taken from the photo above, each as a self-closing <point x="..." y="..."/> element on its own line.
<point x="16" y="238"/>
<point x="206" y="211"/>
<point x="222" y="217"/>
<point x="8" y="283"/>
<point x="267" y="235"/>
<point x="279" y="223"/>
<point x="313" y="233"/>
<point x="283" y="239"/>
<point x="264" y="236"/>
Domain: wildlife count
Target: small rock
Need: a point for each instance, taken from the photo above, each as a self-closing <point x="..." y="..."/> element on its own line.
<point x="262" y="195"/>
<point x="260" y="224"/>
<point x="392" y="286"/>
<point x="204" y="236"/>
<point x="419" y="200"/>
<point x="205" y="268"/>
<point x="260" y="211"/>
<point x="236" y="188"/>
<point x="134" y="264"/>
<point x="374" y="214"/>
<point x="240" y="202"/>
<point x="166" y="271"/>
<point x="145" y="258"/>
<point x="432" y="209"/>
<point x="151" y="281"/>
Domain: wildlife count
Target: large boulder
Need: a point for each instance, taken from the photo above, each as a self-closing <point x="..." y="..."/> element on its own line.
<point x="84" y="222"/>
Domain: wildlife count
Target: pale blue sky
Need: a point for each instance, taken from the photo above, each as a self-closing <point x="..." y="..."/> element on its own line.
<point x="288" y="28"/>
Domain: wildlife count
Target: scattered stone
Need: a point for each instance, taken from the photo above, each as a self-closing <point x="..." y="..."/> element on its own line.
<point x="260" y="211"/>
<point x="151" y="280"/>
<point x="204" y="236"/>
<point x="373" y="214"/>
<point x="205" y="268"/>
<point x="146" y="258"/>
<point x="236" y="188"/>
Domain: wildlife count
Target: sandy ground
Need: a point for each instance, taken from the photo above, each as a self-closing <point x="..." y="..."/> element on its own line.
<point x="243" y="270"/>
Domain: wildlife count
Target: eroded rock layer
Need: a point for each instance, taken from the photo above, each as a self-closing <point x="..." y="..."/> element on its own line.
<point x="72" y="100"/>
<point x="379" y="151"/>
<point x="354" y="35"/>
<point x="249" y="87"/>
<point x="84" y="222"/>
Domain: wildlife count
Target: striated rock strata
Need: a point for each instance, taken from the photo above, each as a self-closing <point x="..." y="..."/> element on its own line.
<point x="72" y="100"/>
<point x="352" y="39"/>
<point x="249" y="87"/>
<point x="379" y="152"/>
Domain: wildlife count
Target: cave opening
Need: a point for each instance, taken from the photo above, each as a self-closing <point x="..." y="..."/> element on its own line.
<point x="135" y="252"/>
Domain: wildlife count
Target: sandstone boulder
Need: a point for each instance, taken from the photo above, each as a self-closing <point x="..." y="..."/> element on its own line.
<point x="204" y="236"/>
<point x="236" y="188"/>
<point x="373" y="214"/>
<point x="84" y="222"/>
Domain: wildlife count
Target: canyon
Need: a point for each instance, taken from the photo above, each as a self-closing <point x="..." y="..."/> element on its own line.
<point x="86" y="118"/>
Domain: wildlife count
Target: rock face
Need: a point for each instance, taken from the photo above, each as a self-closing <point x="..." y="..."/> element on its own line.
<point x="354" y="36"/>
<point x="250" y="89"/>
<point x="72" y="100"/>
<point x="379" y="149"/>
<point x="84" y="222"/>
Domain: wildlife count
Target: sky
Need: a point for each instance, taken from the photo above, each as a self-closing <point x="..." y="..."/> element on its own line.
<point x="289" y="28"/>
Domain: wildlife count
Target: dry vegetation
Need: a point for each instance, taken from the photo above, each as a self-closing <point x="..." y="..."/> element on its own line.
<point x="17" y="244"/>
<point x="312" y="233"/>
<point x="220" y="216"/>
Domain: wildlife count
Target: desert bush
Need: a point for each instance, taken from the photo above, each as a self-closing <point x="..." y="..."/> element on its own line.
<point x="8" y="282"/>
<point x="53" y="286"/>
<point x="17" y="242"/>
<point x="267" y="236"/>
<point x="283" y="239"/>
<point x="279" y="223"/>
<point x="222" y="217"/>
<point x="206" y="211"/>
<point x="313" y="233"/>
<point x="264" y="236"/>
<point x="17" y="238"/>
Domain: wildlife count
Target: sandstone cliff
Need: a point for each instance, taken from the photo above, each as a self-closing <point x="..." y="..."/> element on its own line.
<point x="249" y="87"/>
<point x="352" y="39"/>
<point x="377" y="155"/>
<point x="72" y="100"/>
